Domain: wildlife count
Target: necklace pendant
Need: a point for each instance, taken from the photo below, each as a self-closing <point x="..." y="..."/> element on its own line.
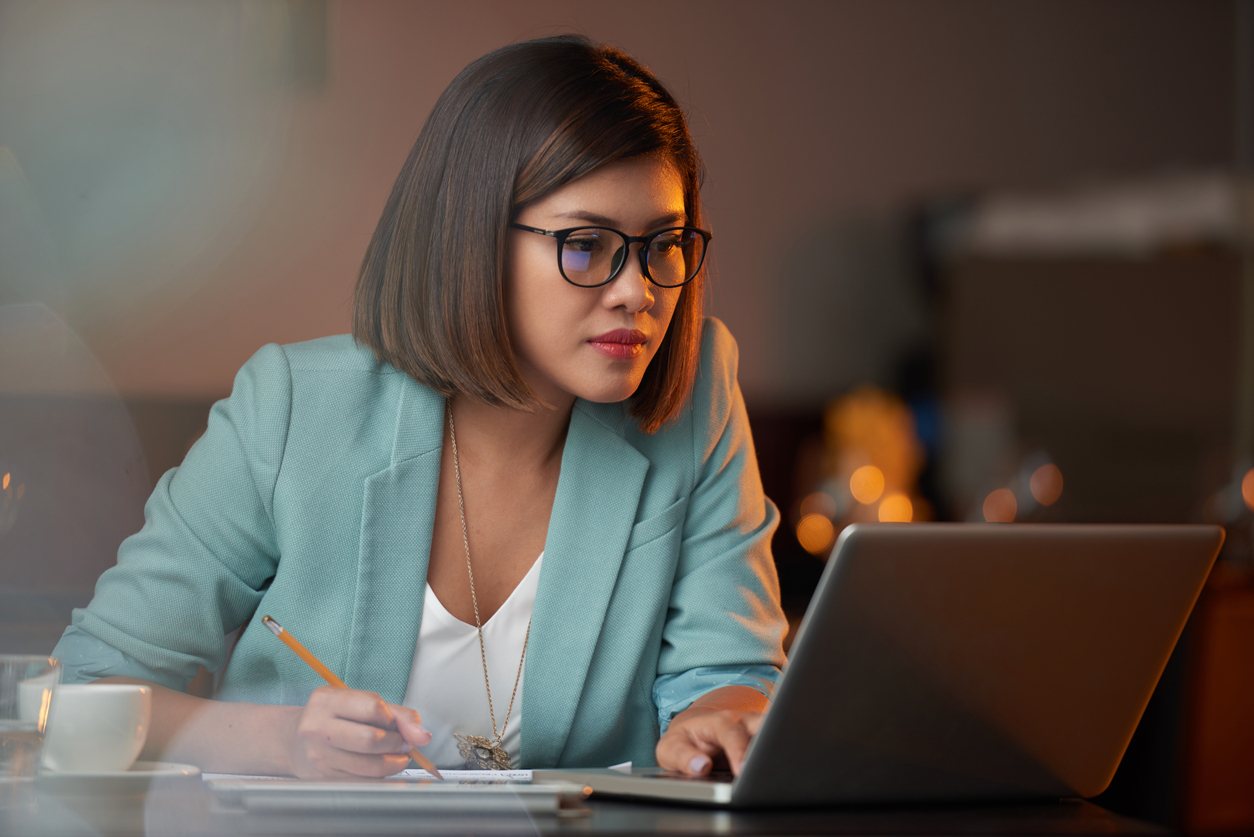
<point x="480" y="753"/>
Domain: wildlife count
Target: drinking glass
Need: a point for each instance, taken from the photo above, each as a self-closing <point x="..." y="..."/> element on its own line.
<point x="26" y="686"/>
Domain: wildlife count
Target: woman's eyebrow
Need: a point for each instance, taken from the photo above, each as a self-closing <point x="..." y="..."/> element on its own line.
<point x="601" y="220"/>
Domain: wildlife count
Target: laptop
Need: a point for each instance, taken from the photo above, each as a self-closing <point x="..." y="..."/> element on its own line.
<point x="961" y="662"/>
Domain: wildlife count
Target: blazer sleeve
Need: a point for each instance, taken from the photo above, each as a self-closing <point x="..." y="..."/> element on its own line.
<point x="724" y="625"/>
<point x="197" y="569"/>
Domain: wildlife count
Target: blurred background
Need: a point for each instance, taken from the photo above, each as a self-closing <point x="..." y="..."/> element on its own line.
<point x="985" y="261"/>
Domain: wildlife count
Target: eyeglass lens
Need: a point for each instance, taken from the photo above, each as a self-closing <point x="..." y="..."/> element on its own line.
<point x="590" y="256"/>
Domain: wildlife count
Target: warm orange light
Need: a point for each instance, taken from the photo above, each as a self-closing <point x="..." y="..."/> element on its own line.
<point x="873" y="426"/>
<point x="896" y="508"/>
<point x="4" y="481"/>
<point x="1000" y="506"/>
<point x="1247" y="489"/>
<point x="45" y="709"/>
<point x="820" y="502"/>
<point x="866" y="484"/>
<point x="815" y="533"/>
<point x="1046" y="484"/>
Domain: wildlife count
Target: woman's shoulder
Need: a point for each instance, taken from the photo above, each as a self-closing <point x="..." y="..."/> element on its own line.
<point x="714" y="385"/>
<point x="328" y="380"/>
<point x="333" y="353"/>
<point x="719" y="360"/>
<point x="336" y="362"/>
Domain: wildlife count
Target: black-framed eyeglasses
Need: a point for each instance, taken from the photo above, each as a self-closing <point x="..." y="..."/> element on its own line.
<point x="592" y="256"/>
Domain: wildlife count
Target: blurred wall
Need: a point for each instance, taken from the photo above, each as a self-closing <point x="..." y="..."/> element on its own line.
<point x="188" y="181"/>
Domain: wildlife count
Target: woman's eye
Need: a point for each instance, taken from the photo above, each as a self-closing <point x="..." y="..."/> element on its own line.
<point x="583" y="243"/>
<point x="665" y="243"/>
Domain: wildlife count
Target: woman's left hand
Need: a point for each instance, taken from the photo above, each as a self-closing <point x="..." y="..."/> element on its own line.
<point x="716" y="729"/>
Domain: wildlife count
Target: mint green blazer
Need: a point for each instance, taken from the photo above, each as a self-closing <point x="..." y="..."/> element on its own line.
<point x="311" y="497"/>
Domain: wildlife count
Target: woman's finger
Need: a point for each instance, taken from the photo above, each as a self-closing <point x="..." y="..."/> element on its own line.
<point x="373" y="726"/>
<point x="355" y="737"/>
<point x="683" y="755"/>
<point x="684" y="750"/>
<point x="328" y="762"/>
<point x="352" y="705"/>
<point x="409" y="725"/>
<point x="732" y="736"/>
<point x="375" y="767"/>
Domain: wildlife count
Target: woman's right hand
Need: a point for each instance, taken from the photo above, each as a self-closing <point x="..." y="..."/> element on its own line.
<point x="345" y="733"/>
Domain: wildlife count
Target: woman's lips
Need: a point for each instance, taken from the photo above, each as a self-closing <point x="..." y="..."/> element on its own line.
<point x="622" y="343"/>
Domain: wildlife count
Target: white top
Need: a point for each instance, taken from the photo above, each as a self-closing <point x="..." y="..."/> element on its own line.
<point x="446" y="681"/>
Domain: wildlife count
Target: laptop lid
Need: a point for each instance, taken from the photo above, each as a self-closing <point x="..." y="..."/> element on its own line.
<point x="975" y="661"/>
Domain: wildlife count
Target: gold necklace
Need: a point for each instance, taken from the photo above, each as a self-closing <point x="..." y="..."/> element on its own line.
<point x="479" y="752"/>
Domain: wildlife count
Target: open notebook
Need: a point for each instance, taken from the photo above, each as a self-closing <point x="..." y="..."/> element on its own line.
<point x="943" y="662"/>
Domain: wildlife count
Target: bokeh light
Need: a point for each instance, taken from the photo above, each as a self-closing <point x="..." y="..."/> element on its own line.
<point x="866" y="484"/>
<point x="896" y="508"/>
<point x="815" y="533"/>
<point x="1000" y="506"/>
<point x="10" y="495"/>
<point x="1247" y="489"/>
<point x="1046" y="484"/>
<point x="818" y="502"/>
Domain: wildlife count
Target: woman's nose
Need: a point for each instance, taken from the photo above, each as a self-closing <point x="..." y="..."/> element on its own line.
<point x="630" y="289"/>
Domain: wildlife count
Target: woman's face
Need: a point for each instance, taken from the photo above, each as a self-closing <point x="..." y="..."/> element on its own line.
<point x="592" y="343"/>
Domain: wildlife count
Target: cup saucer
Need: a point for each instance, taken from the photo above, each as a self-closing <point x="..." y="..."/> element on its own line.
<point x="141" y="773"/>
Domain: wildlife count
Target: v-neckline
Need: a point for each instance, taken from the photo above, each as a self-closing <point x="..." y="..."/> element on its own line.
<point x="513" y="594"/>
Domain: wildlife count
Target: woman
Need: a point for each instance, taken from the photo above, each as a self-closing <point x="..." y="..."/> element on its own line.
<point x="522" y="497"/>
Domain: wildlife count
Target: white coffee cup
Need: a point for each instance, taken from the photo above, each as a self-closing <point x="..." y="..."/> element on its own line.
<point x="96" y="727"/>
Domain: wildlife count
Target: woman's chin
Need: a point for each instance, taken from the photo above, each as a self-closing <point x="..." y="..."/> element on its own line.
<point x="611" y="393"/>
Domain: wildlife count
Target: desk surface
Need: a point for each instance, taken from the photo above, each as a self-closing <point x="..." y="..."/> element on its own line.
<point x="184" y="808"/>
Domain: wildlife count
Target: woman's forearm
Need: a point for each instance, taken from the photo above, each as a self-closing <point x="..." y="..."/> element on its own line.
<point x="218" y="736"/>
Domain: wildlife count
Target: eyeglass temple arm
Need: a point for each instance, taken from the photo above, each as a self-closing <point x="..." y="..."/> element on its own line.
<point x="549" y="233"/>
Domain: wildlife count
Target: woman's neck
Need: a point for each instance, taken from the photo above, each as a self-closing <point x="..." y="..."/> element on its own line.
<point x="506" y="437"/>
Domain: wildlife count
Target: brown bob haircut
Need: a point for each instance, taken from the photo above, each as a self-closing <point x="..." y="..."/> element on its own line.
<point x="512" y="127"/>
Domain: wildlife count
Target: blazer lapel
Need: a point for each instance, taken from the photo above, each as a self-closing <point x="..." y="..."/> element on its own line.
<point x="397" y="520"/>
<point x="598" y="492"/>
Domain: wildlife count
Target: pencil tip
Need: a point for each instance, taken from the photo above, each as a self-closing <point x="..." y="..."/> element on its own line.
<point x="269" y="622"/>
